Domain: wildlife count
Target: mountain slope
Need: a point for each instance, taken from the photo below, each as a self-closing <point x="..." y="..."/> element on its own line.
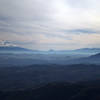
<point x="97" y="56"/>
<point x="94" y="59"/>
<point x="13" y="48"/>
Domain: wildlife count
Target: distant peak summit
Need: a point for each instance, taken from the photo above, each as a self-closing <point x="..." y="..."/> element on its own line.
<point x="51" y="50"/>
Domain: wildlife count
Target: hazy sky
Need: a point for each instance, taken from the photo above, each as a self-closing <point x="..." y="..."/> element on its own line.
<point x="50" y="24"/>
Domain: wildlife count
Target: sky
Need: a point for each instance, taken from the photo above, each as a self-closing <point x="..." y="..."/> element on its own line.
<point x="50" y="24"/>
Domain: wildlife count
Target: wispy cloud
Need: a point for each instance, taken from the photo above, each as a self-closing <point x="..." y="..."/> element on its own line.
<point x="46" y="24"/>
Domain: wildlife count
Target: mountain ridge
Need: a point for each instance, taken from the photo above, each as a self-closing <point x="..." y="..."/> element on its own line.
<point x="51" y="50"/>
<point x="14" y="48"/>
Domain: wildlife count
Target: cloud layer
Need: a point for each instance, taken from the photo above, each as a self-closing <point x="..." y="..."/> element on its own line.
<point x="50" y="24"/>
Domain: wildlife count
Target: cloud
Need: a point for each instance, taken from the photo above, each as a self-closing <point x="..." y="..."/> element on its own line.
<point x="6" y="43"/>
<point x="46" y="24"/>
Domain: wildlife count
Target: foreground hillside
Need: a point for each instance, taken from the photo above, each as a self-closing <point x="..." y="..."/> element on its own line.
<point x="56" y="91"/>
<point x="15" y="78"/>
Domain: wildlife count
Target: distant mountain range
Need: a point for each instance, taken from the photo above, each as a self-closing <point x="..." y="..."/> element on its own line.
<point x="82" y="50"/>
<point x="77" y="51"/>
<point x="52" y="57"/>
<point x="89" y="49"/>
<point x="14" y="48"/>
